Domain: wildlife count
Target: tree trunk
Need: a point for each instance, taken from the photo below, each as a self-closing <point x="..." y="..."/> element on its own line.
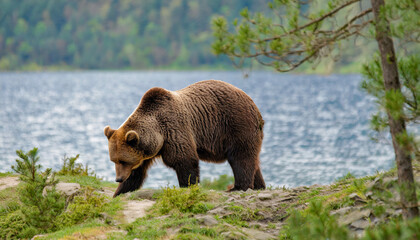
<point x="397" y="126"/>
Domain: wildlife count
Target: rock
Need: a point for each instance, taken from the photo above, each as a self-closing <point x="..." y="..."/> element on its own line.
<point x="264" y="214"/>
<point x="136" y="209"/>
<point x="39" y="236"/>
<point x="207" y="220"/>
<point x="217" y="211"/>
<point x="257" y="234"/>
<point x="354" y="216"/>
<point x="369" y="194"/>
<point x="341" y="211"/>
<point x="300" y="189"/>
<point x="357" y="199"/>
<point x="233" y="235"/>
<point x="359" y="233"/>
<point x="265" y="196"/>
<point x="68" y="189"/>
<point x="145" y="194"/>
<point x="360" y="224"/>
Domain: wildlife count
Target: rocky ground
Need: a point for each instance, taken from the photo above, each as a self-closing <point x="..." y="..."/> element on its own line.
<point x="357" y="204"/>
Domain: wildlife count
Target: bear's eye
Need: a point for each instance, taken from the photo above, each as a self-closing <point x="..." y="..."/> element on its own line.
<point x="123" y="163"/>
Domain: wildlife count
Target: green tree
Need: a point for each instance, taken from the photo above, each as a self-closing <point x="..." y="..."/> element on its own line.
<point x="303" y="32"/>
<point x="41" y="206"/>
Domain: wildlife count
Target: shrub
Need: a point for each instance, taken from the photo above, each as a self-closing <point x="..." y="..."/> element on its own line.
<point x="12" y="225"/>
<point x="313" y="223"/>
<point x="70" y="167"/>
<point x="191" y="199"/>
<point x="396" y="229"/>
<point x="83" y="207"/>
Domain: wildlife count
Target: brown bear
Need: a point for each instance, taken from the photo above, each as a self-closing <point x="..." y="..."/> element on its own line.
<point x="209" y="120"/>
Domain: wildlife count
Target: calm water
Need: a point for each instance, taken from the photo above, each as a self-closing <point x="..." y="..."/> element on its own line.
<point x="316" y="127"/>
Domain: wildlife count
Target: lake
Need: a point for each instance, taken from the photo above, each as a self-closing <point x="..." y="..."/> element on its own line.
<point x="316" y="127"/>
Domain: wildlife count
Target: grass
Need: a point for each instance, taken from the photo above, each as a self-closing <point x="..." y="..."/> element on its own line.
<point x="8" y="196"/>
<point x="86" y="181"/>
<point x="192" y="199"/>
<point x="174" y="216"/>
<point x="7" y="174"/>
<point x="84" y="229"/>
<point x="220" y="183"/>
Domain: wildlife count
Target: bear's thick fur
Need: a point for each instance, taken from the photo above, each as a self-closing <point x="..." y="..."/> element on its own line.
<point x="209" y="120"/>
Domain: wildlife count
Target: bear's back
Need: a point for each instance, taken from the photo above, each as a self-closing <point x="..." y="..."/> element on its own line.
<point x="220" y="112"/>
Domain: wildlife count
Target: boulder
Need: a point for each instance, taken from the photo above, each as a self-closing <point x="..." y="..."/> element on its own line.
<point x="257" y="234"/>
<point x="353" y="216"/>
<point x="207" y="220"/>
<point x="67" y="189"/>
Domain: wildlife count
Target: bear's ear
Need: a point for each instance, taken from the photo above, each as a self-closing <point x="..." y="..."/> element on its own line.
<point x="131" y="137"/>
<point x="108" y="132"/>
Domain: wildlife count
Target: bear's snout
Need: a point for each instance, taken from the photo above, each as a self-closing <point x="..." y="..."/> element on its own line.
<point x="120" y="179"/>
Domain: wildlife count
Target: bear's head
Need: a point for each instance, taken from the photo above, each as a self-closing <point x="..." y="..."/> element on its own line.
<point x="128" y="148"/>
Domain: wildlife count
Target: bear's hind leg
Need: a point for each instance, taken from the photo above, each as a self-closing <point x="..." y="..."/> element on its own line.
<point x="258" y="180"/>
<point x="243" y="171"/>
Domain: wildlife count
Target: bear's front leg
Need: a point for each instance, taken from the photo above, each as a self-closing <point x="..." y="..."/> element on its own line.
<point x="135" y="180"/>
<point x="185" y="162"/>
<point x="188" y="174"/>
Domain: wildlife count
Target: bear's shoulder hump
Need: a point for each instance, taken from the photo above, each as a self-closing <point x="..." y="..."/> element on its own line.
<point x="156" y="95"/>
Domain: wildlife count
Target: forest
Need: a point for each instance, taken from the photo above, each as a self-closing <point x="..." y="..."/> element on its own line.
<point x="113" y="34"/>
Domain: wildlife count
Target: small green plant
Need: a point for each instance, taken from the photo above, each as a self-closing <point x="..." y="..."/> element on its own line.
<point x="313" y="223"/>
<point x="395" y="229"/>
<point x="220" y="183"/>
<point x="348" y="176"/>
<point x="192" y="199"/>
<point x="70" y="167"/>
<point x="83" y="207"/>
<point x="41" y="203"/>
<point x="12" y="225"/>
